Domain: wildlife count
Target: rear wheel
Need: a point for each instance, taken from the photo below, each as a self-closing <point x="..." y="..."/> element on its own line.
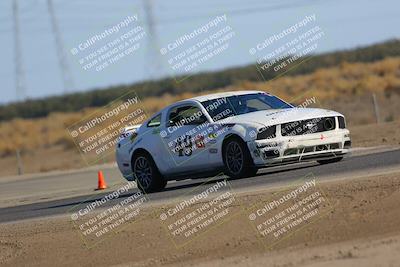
<point x="147" y="176"/>
<point x="237" y="159"/>
<point x="327" y="161"/>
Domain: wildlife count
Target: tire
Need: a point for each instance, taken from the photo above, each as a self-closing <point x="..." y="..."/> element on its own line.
<point x="327" y="161"/>
<point x="237" y="159"/>
<point x="146" y="173"/>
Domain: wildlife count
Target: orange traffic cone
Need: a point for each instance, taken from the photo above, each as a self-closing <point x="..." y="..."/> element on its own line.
<point x="101" y="182"/>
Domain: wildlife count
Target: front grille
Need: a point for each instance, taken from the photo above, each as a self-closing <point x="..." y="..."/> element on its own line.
<point x="309" y="149"/>
<point x="309" y="126"/>
<point x="271" y="154"/>
<point x="321" y="148"/>
<point x="268" y="132"/>
<point x="291" y="151"/>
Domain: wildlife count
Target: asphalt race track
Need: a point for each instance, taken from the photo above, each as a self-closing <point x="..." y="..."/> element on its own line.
<point x="264" y="178"/>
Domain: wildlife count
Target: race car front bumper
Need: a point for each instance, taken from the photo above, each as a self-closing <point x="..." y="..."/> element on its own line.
<point x="309" y="147"/>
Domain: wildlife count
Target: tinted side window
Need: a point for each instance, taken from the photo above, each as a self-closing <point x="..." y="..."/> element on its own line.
<point x="155" y="122"/>
<point x="186" y="115"/>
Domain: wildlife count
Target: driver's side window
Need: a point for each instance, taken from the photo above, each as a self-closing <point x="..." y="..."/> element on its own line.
<point x="186" y="115"/>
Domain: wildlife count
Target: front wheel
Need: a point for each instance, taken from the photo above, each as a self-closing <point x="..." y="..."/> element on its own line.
<point x="237" y="159"/>
<point x="148" y="178"/>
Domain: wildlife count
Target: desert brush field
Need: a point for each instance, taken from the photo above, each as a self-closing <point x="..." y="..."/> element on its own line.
<point x="346" y="88"/>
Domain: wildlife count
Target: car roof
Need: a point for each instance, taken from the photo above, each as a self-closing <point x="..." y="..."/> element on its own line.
<point x="208" y="97"/>
<point x="222" y="94"/>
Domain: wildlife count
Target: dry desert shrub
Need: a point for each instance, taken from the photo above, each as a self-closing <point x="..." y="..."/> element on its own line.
<point x="347" y="87"/>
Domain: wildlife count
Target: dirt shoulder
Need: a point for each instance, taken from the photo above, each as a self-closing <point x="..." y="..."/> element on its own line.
<point x="372" y="251"/>
<point x="386" y="134"/>
<point x="362" y="226"/>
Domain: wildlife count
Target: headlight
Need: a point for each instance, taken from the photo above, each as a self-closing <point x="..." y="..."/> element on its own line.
<point x="266" y="132"/>
<point x="329" y="123"/>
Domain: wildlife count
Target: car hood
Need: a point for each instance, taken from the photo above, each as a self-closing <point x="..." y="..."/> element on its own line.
<point x="279" y="116"/>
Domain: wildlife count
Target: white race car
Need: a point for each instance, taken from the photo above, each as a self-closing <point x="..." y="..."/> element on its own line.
<point x="234" y="132"/>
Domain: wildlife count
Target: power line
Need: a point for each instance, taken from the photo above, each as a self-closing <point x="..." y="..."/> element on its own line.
<point x="154" y="60"/>
<point x="150" y="7"/>
<point x="230" y="12"/>
<point x="239" y="11"/>
<point x="68" y="82"/>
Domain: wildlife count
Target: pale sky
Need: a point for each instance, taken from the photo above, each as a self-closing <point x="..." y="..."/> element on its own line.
<point x="346" y="24"/>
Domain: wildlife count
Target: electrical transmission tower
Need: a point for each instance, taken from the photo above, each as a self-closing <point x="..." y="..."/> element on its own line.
<point x="68" y="82"/>
<point x="153" y="54"/>
<point x="19" y="71"/>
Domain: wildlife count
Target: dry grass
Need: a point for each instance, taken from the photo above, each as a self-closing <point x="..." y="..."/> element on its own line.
<point x="346" y="88"/>
<point x="348" y="79"/>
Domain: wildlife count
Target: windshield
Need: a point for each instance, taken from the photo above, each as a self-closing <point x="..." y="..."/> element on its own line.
<point x="221" y="108"/>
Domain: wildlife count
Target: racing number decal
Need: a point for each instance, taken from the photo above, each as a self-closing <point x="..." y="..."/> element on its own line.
<point x="199" y="141"/>
<point x="184" y="147"/>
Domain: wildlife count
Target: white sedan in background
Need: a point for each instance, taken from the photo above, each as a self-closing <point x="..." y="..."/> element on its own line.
<point x="234" y="132"/>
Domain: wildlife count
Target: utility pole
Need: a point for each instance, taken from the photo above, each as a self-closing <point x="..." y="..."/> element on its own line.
<point x="376" y="109"/>
<point x="153" y="54"/>
<point x="20" y="168"/>
<point x="68" y="82"/>
<point x="19" y="71"/>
